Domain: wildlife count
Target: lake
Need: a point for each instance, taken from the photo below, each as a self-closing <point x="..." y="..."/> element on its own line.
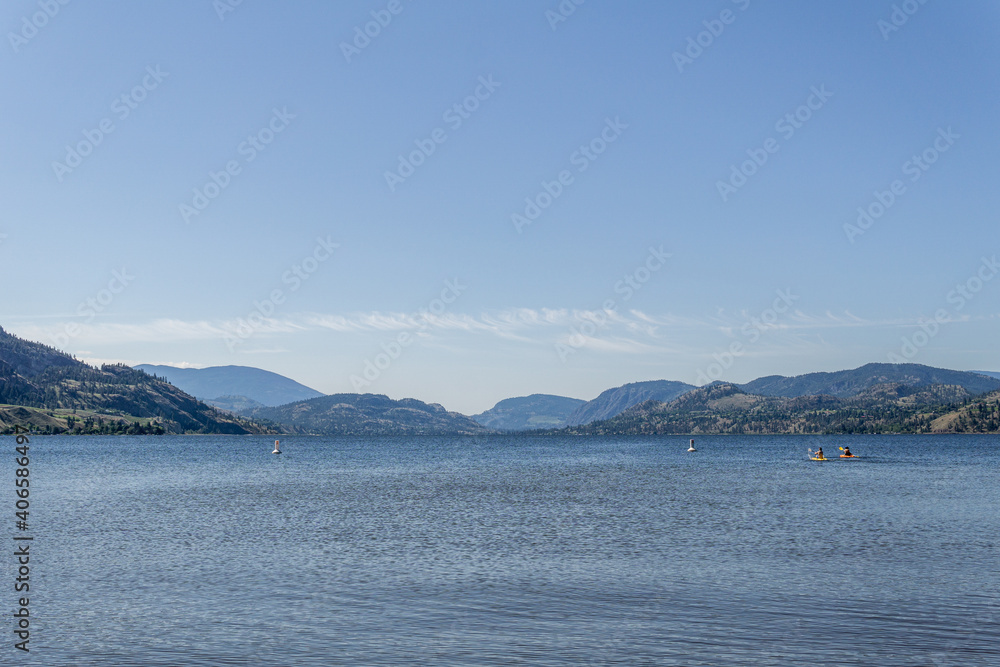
<point x="509" y="550"/>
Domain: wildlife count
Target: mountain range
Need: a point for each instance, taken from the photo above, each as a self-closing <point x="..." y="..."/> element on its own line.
<point x="853" y="382"/>
<point x="891" y="407"/>
<point x="54" y="392"/>
<point x="524" y="414"/>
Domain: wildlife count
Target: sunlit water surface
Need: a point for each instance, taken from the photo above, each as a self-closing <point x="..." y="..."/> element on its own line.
<point x="510" y="550"/>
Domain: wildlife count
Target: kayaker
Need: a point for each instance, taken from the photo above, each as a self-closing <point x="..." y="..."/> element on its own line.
<point x="819" y="453"/>
<point x="847" y="451"/>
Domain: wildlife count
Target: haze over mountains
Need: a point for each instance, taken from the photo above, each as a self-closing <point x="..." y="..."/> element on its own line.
<point x="53" y="392"/>
<point x="234" y="382"/>
<point x="890" y="396"/>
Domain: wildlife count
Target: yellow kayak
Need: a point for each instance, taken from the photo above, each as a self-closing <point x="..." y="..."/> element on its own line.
<point x="817" y="458"/>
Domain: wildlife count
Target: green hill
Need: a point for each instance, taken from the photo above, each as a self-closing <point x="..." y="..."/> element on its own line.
<point x="884" y="408"/>
<point x="981" y="415"/>
<point x="56" y="393"/>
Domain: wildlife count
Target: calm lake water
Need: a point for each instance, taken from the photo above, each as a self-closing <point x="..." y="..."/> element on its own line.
<point x="509" y="550"/>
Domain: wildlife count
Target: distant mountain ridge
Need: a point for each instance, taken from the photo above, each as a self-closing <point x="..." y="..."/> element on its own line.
<point x="851" y="382"/>
<point x="367" y="414"/>
<point x="215" y="382"/>
<point x="524" y="413"/>
<point x="614" y="401"/>
<point x="237" y="404"/>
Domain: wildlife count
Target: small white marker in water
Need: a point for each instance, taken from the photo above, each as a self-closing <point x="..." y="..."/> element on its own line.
<point x="691" y="448"/>
<point x="277" y="450"/>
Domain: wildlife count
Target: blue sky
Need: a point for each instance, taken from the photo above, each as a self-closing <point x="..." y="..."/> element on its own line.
<point x="647" y="257"/>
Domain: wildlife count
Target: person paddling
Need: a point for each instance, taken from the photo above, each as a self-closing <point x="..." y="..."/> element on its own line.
<point x="847" y="451"/>
<point x="819" y="453"/>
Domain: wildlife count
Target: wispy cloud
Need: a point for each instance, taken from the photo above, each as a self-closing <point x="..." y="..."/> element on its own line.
<point x="632" y="331"/>
<point x="155" y="331"/>
<point x="499" y="322"/>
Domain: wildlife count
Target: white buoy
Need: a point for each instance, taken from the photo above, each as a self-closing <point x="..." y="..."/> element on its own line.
<point x="277" y="450"/>
<point x="691" y="448"/>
